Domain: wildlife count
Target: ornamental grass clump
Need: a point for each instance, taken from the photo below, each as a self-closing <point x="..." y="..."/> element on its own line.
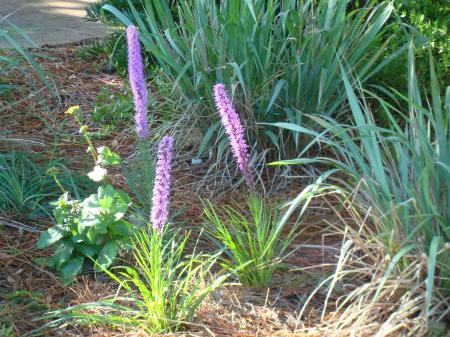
<point x="401" y="174"/>
<point x="251" y="236"/>
<point x="137" y="81"/>
<point x="159" y="294"/>
<point x="281" y="56"/>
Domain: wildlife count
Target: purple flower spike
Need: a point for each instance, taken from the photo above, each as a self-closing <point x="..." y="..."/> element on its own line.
<point x="137" y="81"/>
<point x="235" y="131"/>
<point x="161" y="188"/>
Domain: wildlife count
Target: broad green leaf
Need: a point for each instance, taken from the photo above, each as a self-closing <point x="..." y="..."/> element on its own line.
<point x="90" y="213"/>
<point x="71" y="269"/>
<point x="107" y="255"/>
<point x="50" y="236"/>
<point x="122" y="228"/>
<point x="88" y="250"/>
<point x="120" y="206"/>
<point x="92" y="236"/>
<point x="105" y="190"/>
<point x="88" y="222"/>
<point x="63" y="251"/>
<point x="106" y="203"/>
<point x="51" y="262"/>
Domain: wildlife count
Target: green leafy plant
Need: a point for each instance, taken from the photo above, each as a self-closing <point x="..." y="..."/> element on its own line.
<point x="160" y="294"/>
<point x="256" y="239"/>
<point x="111" y="109"/>
<point x="93" y="228"/>
<point x="32" y="300"/>
<point x="426" y="22"/>
<point x="280" y="57"/>
<point x="430" y="19"/>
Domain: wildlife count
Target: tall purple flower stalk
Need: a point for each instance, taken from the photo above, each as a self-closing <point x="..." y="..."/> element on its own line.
<point x="235" y="131"/>
<point x="161" y="188"/>
<point x="137" y="81"/>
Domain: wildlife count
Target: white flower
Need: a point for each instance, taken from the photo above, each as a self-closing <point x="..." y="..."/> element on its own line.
<point x="98" y="173"/>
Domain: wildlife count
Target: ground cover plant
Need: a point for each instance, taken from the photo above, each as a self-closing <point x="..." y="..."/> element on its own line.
<point x="111" y="114"/>
<point x="355" y="242"/>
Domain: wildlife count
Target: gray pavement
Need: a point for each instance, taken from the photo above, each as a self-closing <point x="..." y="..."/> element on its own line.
<point x="49" y="22"/>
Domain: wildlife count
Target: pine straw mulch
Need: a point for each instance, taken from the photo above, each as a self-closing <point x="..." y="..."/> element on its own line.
<point x="36" y="120"/>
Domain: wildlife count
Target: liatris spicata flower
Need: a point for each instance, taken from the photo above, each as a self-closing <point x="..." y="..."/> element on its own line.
<point x="161" y="187"/>
<point x="235" y="131"/>
<point x="137" y="82"/>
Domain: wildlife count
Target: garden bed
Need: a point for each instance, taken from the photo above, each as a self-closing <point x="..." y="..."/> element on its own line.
<point x="29" y="289"/>
<point x="264" y="183"/>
